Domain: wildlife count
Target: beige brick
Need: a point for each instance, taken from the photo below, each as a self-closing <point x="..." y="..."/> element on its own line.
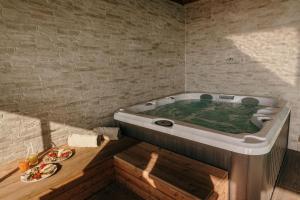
<point x="67" y="66"/>
<point x="245" y="47"/>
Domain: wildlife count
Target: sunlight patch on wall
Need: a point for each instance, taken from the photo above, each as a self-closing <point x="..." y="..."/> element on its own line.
<point x="17" y="134"/>
<point x="276" y="50"/>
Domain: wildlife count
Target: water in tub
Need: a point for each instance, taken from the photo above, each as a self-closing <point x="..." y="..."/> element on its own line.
<point x="222" y="116"/>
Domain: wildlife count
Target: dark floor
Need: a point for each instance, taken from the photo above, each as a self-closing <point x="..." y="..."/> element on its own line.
<point x="115" y="192"/>
<point x="287" y="188"/>
<point x="288" y="185"/>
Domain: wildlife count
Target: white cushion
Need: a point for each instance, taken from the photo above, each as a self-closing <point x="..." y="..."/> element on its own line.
<point x="76" y="140"/>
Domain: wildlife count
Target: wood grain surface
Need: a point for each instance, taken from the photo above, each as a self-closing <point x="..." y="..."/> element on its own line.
<point x="85" y="173"/>
<point x="154" y="172"/>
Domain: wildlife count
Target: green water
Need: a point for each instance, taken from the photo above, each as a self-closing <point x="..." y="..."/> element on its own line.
<point x="226" y="117"/>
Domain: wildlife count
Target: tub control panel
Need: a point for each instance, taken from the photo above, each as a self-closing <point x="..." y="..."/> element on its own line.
<point x="227" y="97"/>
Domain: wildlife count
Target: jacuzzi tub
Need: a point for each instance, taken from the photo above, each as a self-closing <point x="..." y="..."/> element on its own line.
<point x="253" y="158"/>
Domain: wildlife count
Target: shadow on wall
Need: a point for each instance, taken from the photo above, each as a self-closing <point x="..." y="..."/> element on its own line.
<point x="66" y="66"/>
<point x="246" y="47"/>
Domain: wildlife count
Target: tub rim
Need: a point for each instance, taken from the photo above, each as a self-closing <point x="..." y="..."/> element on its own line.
<point x="258" y="143"/>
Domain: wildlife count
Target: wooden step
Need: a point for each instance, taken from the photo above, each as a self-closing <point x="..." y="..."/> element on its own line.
<point x="115" y="191"/>
<point x="156" y="173"/>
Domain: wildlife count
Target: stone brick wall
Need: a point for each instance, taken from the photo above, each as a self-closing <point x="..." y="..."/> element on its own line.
<point x="66" y="66"/>
<point x="247" y="47"/>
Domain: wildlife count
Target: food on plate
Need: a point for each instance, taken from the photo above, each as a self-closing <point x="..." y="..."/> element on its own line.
<point x="46" y="169"/>
<point x="57" y="155"/>
<point x="38" y="172"/>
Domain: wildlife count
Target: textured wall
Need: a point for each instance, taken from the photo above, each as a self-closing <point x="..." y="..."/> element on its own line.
<point x="66" y="66"/>
<point x="247" y="47"/>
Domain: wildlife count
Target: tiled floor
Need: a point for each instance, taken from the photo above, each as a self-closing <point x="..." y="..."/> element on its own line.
<point x="288" y="185"/>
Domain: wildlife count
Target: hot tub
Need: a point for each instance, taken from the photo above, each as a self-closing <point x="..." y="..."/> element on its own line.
<point x="243" y="134"/>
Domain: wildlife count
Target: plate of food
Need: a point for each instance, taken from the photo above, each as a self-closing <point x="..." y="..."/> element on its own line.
<point x="56" y="155"/>
<point x="38" y="173"/>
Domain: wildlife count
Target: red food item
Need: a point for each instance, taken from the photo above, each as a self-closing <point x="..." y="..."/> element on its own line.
<point x="37" y="175"/>
<point x="52" y="154"/>
<point x="42" y="165"/>
<point x="64" y="155"/>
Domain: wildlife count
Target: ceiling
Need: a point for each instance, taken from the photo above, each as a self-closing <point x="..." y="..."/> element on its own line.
<point x="183" y="1"/>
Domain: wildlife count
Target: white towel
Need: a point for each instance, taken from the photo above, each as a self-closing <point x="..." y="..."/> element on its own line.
<point x="76" y="140"/>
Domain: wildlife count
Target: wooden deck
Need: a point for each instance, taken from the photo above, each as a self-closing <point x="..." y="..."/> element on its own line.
<point x="287" y="188"/>
<point x="156" y="173"/>
<point x="80" y="175"/>
<point x="88" y="171"/>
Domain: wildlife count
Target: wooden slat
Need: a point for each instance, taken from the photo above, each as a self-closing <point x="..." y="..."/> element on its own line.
<point x="135" y="189"/>
<point x="173" y="176"/>
<point x="193" y="179"/>
<point x="80" y="167"/>
<point x="162" y="185"/>
<point x="102" y="172"/>
<point x="188" y="163"/>
<point x="132" y="180"/>
<point x="189" y="168"/>
<point x="88" y="187"/>
<point x="115" y="191"/>
<point x="177" y="166"/>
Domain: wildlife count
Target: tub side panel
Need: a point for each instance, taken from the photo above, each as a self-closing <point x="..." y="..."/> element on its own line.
<point x="254" y="177"/>
<point x="251" y="177"/>
<point x="238" y="177"/>
<point x="211" y="155"/>
<point x="273" y="162"/>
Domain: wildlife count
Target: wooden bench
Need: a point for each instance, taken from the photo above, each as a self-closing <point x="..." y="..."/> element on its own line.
<point x="150" y="172"/>
<point x="87" y="172"/>
<point x="155" y="173"/>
